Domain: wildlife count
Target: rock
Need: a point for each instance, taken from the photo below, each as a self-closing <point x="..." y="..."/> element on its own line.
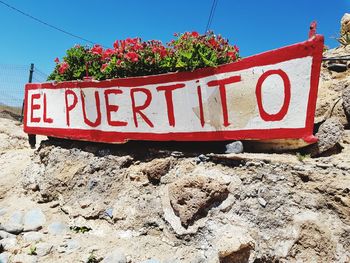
<point x="192" y="197"/>
<point x="262" y="201"/>
<point x="12" y="228"/>
<point x="157" y="168"/>
<point x="329" y="134"/>
<point x="346" y="102"/>
<point x="234" y="244"/>
<point x="24" y="258"/>
<point x="32" y="236"/>
<point x="72" y="245"/>
<point x="234" y="147"/>
<point x="4" y="257"/>
<point x="16" y="218"/>
<point x="345" y="24"/>
<point x="57" y="228"/>
<point x="337" y="67"/>
<point x="4" y="234"/>
<point x="43" y="249"/>
<point x="109" y="212"/>
<point x="3" y="211"/>
<point x="34" y="220"/>
<point x="202" y="158"/>
<point x="117" y="256"/>
<point x="9" y="243"/>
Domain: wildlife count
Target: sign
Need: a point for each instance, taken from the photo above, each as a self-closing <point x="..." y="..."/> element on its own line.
<point x="267" y="96"/>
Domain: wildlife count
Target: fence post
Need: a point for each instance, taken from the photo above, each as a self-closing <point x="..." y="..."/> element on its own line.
<point x="31" y="137"/>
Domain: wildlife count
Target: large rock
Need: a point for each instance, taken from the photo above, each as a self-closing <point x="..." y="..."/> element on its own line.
<point x="345" y="24"/>
<point x="192" y="197"/>
<point x="329" y="135"/>
<point x="157" y="168"/>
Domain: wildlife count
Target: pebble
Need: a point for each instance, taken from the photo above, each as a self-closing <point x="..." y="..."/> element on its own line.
<point x="9" y="243"/>
<point x="234" y="147"/>
<point x="4" y="234"/>
<point x="4" y="257"/>
<point x="58" y="228"/>
<point x="34" y="220"/>
<point x="12" y="228"/>
<point x="24" y="258"/>
<point x="33" y="236"/>
<point x="117" y="256"/>
<point x="16" y="218"/>
<point x="262" y="201"/>
<point x="43" y="249"/>
<point x="72" y="245"/>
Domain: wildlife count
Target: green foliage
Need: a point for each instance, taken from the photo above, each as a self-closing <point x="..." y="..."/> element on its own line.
<point x="80" y="229"/>
<point x="302" y="157"/>
<point x="134" y="57"/>
<point x="32" y="250"/>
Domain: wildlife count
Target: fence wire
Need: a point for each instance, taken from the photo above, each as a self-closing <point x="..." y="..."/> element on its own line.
<point x="12" y="81"/>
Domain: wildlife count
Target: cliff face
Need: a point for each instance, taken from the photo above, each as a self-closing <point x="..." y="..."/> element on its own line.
<point x="70" y="201"/>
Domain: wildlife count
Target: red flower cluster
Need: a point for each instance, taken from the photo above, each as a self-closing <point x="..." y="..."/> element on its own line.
<point x="134" y="57"/>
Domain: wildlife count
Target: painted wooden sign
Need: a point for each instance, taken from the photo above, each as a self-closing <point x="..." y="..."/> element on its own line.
<point x="267" y="96"/>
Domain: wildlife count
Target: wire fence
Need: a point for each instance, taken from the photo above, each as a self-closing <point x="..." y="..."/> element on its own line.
<point x="12" y="81"/>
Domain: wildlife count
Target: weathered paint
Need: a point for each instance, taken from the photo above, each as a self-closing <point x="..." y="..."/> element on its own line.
<point x="267" y="96"/>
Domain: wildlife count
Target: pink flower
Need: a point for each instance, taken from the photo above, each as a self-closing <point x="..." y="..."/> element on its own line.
<point x="63" y="67"/>
<point x="104" y="66"/>
<point x="213" y="42"/>
<point x="132" y="56"/>
<point x="231" y="54"/>
<point x="57" y="60"/>
<point x="97" y="50"/>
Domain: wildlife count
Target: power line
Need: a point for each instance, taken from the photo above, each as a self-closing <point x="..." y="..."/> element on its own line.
<point x="211" y="15"/>
<point x="46" y="24"/>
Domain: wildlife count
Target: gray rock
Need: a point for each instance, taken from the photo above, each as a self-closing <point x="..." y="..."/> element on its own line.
<point x="4" y="257"/>
<point x="12" y="228"/>
<point x="72" y="245"/>
<point x="34" y="220"/>
<point x="32" y="236"/>
<point x="4" y="234"/>
<point x="117" y="256"/>
<point x="262" y="201"/>
<point x="3" y="211"/>
<point x="234" y="147"/>
<point x="338" y="67"/>
<point x="109" y="212"/>
<point x="16" y="218"/>
<point x="43" y="249"/>
<point x="9" y="243"/>
<point x="329" y="134"/>
<point x="346" y="102"/>
<point x="58" y="228"/>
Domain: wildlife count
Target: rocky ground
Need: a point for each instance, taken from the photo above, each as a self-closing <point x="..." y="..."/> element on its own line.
<point x="72" y="201"/>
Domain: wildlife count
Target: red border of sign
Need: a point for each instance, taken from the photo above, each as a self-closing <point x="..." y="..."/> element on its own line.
<point x="312" y="47"/>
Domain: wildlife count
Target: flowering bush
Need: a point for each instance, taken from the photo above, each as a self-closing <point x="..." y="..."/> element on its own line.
<point x="134" y="57"/>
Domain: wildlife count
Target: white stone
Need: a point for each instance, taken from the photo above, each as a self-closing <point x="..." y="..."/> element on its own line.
<point x="9" y="243"/>
<point x="117" y="256"/>
<point x="43" y="249"/>
<point x="34" y="220"/>
<point x="58" y="228"/>
<point x="32" y="236"/>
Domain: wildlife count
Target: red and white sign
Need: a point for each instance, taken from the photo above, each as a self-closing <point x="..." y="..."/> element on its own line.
<point x="267" y="96"/>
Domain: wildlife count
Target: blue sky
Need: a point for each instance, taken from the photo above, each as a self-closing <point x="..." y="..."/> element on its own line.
<point x="255" y="26"/>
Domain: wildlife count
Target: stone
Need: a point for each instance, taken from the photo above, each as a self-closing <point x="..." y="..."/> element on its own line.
<point x="345" y="24"/>
<point x="4" y="257"/>
<point x="192" y="197"/>
<point x="9" y="243"/>
<point x="346" y="102"/>
<point x="43" y="249"/>
<point x="57" y="228"/>
<point x="262" y="201"/>
<point x="234" y="244"/>
<point x="109" y="212"/>
<point x="72" y="245"/>
<point x="234" y="147"/>
<point x="338" y="67"/>
<point x="329" y="134"/>
<point x="117" y="256"/>
<point x="16" y="218"/>
<point x="32" y="236"/>
<point x="202" y="158"/>
<point x="3" y="211"/>
<point x="157" y="168"/>
<point x="24" y="258"/>
<point x="34" y="220"/>
<point x="12" y="228"/>
<point x="4" y="234"/>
